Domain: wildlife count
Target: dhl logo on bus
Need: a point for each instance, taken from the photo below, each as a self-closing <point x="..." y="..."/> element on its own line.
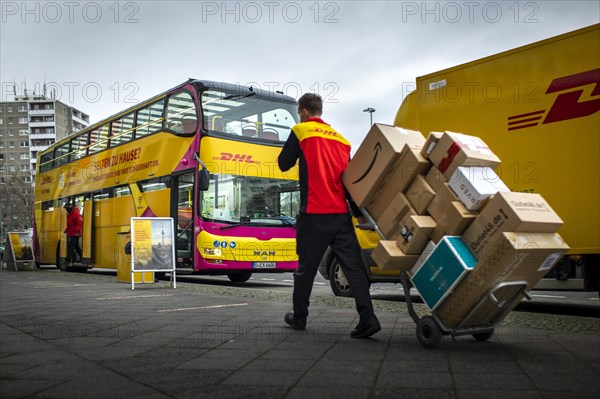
<point x="226" y="156"/>
<point x="566" y="105"/>
<point x="243" y="158"/>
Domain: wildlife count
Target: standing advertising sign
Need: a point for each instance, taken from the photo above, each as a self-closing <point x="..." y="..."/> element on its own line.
<point x="19" y="250"/>
<point x="152" y="246"/>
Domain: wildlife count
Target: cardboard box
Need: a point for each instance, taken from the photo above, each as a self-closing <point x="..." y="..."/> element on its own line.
<point x="430" y="143"/>
<point x="410" y="164"/>
<point x="452" y="218"/>
<point x="388" y="256"/>
<point x="438" y="182"/>
<point x="414" y="233"/>
<point x="423" y="257"/>
<point x="515" y="257"/>
<point x="474" y="185"/>
<point x="398" y="209"/>
<point x="420" y="194"/>
<point x="445" y="267"/>
<point x="510" y="212"/>
<point x="457" y="149"/>
<point x="491" y="312"/>
<point x="380" y="150"/>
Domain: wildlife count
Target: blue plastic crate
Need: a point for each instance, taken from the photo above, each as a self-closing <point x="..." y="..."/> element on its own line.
<point x="447" y="265"/>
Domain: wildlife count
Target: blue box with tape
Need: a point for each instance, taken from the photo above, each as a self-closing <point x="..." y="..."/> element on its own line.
<point x="445" y="267"/>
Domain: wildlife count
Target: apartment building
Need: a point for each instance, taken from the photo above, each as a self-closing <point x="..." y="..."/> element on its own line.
<point x="30" y="124"/>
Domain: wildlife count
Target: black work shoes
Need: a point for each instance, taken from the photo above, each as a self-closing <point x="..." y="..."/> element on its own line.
<point x="365" y="329"/>
<point x="296" y="324"/>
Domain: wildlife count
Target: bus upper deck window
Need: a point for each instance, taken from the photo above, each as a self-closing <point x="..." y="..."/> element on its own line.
<point x="181" y="113"/>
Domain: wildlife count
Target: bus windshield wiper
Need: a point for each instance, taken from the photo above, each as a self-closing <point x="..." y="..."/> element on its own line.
<point x="257" y="222"/>
<point x="238" y="96"/>
<point x="231" y="226"/>
<point x="281" y="219"/>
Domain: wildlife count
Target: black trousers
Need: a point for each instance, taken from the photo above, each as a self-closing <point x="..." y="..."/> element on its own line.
<point x="314" y="233"/>
<point x="72" y="248"/>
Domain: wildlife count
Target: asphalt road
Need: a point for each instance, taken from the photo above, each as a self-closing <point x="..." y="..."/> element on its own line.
<point x="574" y="303"/>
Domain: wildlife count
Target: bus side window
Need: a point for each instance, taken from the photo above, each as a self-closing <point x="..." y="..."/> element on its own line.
<point x="48" y="205"/>
<point x="103" y="194"/>
<point x="93" y="142"/>
<point x="149" y="119"/>
<point x="61" y="154"/>
<point x="154" y="184"/>
<point x="121" y="130"/>
<point x="79" y="145"/>
<point x="122" y="191"/>
<point x="181" y="113"/>
<point x="46" y="162"/>
<point x="103" y="137"/>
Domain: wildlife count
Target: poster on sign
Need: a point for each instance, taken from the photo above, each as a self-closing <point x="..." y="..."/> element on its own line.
<point x="19" y="250"/>
<point x="152" y="245"/>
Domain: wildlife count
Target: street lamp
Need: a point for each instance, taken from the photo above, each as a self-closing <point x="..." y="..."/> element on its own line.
<point x="370" y="111"/>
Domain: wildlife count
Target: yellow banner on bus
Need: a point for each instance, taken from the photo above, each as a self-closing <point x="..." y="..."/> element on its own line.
<point x="155" y="155"/>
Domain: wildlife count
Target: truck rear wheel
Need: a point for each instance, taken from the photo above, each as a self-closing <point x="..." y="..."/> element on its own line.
<point x="338" y="281"/>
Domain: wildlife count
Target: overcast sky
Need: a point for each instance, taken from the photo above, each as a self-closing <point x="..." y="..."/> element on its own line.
<point x="104" y="56"/>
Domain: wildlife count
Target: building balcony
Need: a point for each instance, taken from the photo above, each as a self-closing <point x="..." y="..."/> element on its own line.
<point x="79" y="120"/>
<point x="42" y="136"/>
<point x="42" y="124"/>
<point x="40" y="112"/>
<point x="38" y="148"/>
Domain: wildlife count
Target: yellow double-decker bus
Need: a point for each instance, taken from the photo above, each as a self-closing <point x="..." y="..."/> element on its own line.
<point x="204" y="153"/>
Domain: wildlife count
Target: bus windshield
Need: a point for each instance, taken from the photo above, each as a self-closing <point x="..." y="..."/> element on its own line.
<point x="247" y="115"/>
<point x="251" y="200"/>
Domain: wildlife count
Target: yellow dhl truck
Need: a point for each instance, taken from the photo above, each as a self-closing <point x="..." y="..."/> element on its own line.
<point x="538" y="108"/>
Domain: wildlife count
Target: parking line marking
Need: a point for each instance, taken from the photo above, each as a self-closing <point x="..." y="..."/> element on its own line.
<point x="133" y="296"/>
<point x="268" y="279"/>
<point x="288" y="281"/>
<point x="203" y="307"/>
<point x="319" y="283"/>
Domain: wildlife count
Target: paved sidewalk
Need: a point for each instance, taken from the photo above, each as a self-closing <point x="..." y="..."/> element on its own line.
<point x="71" y="335"/>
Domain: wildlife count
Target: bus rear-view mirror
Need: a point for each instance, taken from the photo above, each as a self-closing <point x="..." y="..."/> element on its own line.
<point x="203" y="180"/>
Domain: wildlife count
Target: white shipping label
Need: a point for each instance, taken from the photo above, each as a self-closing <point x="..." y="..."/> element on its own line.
<point x="550" y="261"/>
<point x="431" y="147"/>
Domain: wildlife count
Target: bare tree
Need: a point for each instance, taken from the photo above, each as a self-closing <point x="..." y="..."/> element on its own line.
<point x="16" y="201"/>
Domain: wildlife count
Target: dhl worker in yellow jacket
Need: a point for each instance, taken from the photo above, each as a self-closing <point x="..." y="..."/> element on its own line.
<point x="325" y="218"/>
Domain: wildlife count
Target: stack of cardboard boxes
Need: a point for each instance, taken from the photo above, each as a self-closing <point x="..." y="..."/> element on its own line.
<point x="448" y="219"/>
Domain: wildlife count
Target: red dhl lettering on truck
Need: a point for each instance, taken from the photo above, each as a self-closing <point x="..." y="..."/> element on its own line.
<point x="567" y="105"/>
<point x="226" y="156"/>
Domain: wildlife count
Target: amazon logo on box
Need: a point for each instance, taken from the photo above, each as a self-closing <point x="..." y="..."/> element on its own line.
<point x="376" y="158"/>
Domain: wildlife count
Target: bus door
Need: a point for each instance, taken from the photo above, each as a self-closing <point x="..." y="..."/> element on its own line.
<point x="182" y="212"/>
<point x="86" y="234"/>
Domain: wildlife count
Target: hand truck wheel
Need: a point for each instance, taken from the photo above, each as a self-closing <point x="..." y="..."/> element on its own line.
<point x="484" y="336"/>
<point x="429" y="333"/>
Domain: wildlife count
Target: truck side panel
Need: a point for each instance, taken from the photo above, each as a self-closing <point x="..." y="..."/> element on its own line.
<point x="537" y="107"/>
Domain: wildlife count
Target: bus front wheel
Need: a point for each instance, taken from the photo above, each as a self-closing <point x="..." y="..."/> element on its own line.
<point x="240" y="277"/>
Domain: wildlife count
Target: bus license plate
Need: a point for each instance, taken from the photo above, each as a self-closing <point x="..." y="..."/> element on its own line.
<point x="264" y="265"/>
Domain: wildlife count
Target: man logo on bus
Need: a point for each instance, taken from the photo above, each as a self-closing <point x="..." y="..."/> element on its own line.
<point x="226" y="156"/>
<point x="566" y="105"/>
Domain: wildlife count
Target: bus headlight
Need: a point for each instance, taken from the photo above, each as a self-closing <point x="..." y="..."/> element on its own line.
<point x="212" y="251"/>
